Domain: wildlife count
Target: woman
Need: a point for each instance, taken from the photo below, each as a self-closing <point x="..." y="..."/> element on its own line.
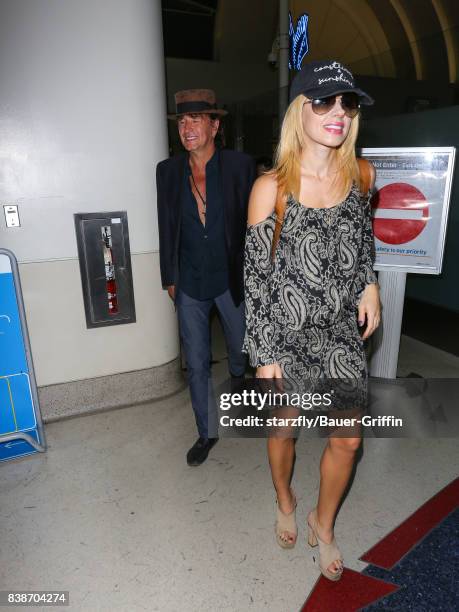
<point x="306" y="302"/>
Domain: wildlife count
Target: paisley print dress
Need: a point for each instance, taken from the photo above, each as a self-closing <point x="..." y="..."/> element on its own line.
<point x="301" y="308"/>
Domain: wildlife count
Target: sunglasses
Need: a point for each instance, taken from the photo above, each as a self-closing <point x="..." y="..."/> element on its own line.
<point x="350" y="104"/>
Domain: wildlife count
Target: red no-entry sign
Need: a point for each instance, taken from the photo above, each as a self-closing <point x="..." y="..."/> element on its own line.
<point x="400" y="211"/>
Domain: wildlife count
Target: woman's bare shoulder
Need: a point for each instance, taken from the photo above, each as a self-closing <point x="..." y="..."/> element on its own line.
<point x="262" y="198"/>
<point x="372" y="174"/>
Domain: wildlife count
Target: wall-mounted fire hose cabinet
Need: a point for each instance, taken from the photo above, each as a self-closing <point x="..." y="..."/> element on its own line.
<point x="105" y="266"/>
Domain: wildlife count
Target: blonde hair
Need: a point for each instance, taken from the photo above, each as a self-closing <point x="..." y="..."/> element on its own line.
<point x="291" y="144"/>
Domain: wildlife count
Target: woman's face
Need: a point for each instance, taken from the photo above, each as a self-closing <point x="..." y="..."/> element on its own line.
<point x="329" y="130"/>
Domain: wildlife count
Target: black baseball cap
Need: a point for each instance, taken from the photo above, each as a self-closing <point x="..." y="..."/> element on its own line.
<point x="325" y="78"/>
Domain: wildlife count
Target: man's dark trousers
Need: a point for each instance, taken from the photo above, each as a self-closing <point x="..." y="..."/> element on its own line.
<point x="194" y="325"/>
<point x="186" y="246"/>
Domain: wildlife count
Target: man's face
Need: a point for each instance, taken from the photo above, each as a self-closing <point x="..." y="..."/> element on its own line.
<point x="197" y="131"/>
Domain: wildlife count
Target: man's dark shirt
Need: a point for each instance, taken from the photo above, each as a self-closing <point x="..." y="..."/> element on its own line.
<point x="203" y="258"/>
<point x="237" y="174"/>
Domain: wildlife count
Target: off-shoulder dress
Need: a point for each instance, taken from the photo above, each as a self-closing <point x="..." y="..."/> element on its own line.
<point x="301" y="308"/>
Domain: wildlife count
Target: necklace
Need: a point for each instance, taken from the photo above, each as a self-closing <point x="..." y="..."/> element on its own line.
<point x="204" y="203"/>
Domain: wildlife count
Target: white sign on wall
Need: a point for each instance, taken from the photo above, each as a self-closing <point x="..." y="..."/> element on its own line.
<point x="410" y="206"/>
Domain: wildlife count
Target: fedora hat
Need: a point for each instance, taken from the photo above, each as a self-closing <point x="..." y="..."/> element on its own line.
<point x="193" y="101"/>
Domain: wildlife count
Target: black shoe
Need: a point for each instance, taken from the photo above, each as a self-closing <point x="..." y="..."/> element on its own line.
<point x="199" y="451"/>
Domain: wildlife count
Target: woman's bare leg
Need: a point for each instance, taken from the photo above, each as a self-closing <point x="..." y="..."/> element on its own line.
<point x="281" y="454"/>
<point x="335" y="470"/>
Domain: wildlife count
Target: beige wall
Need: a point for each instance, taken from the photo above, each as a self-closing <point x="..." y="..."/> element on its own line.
<point x="82" y="126"/>
<point x="65" y="350"/>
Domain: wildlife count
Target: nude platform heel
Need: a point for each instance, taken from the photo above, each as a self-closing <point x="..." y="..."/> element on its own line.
<point x="286" y="522"/>
<point x="327" y="552"/>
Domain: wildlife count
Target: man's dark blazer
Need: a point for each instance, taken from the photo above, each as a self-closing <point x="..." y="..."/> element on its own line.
<point x="237" y="175"/>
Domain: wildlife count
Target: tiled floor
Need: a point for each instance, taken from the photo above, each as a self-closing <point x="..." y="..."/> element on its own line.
<point x="113" y="514"/>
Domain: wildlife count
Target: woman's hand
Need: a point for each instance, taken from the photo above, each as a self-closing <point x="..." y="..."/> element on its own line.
<point x="269" y="371"/>
<point x="369" y="309"/>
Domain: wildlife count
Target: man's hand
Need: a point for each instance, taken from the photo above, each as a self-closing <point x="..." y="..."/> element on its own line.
<point x="171" y="292"/>
<point x="369" y="309"/>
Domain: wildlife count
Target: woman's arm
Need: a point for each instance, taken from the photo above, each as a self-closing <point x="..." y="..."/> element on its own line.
<point x="257" y="273"/>
<point x="262" y="199"/>
<point x="369" y="305"/>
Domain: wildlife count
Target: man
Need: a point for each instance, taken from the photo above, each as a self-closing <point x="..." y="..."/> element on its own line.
<point x="203" y="195"/>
